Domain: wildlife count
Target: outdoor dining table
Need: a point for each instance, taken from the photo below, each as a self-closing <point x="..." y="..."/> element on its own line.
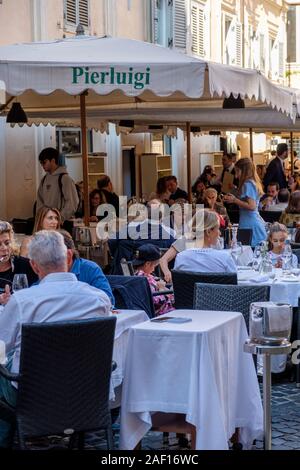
<point x="284" y="288"/>
<point x="125" y="320"/>
<point x="196" y="368"/>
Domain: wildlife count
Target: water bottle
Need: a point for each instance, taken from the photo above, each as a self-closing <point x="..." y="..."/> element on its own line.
<point x="287" y="256"/>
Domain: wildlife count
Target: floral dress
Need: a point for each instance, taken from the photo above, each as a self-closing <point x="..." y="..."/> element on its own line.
<point x="162" y="303"/>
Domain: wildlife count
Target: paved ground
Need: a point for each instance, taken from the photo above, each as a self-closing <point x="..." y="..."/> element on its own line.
<point x="285" y="426"/>
<point x="285" y="423"/>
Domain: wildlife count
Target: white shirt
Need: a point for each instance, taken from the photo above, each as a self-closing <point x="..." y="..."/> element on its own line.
<point x="280" y="207"/>
<point x="58" y="297"/>
<point x="275" y="257"/>
<point x="205" y="260"/>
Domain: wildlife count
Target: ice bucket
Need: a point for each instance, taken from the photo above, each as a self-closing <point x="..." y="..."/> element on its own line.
<point x="82" y="236"/>
<point x="270" y="322"/>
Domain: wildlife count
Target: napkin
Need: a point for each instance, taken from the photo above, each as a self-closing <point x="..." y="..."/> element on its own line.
<point x="280" y="317"/>
<point x="259" y="278"/>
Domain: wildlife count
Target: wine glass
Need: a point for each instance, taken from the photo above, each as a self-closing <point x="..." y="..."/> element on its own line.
<point x="19" y="282"/>
<point x="256" y="261"/>
<point x="236" y="251"/>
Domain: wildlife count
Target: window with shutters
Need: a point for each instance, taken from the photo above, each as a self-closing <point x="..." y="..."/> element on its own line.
<point x="281" y="59"/>
<point x="179" y="23"/>
<point x="155" y="17"/>
<point x="262" y="62"/>
<point x="239" y="44"/>
<point x="75" y="12"/>
<point x="197" y="28"/>
<point x="162" y="22"/>
<point x="169" y="23"/>
<point x="291" y="34"/>
<point x="232" y="40"/>
<point x="271" y="45"/>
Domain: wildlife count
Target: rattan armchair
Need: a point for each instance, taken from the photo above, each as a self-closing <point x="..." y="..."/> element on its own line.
<point x="64" y="380"/>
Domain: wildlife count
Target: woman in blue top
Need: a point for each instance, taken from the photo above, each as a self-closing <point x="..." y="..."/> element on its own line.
<point x="249" y="193"/>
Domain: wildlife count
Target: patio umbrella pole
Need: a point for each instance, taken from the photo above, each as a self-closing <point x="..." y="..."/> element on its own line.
<point x="188" y="160"/>
<point x="84" y="159"/>
<point x="292" y="153"/>
<point x="251" y="143"/>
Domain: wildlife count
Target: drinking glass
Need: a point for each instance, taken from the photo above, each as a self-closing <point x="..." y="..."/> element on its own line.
<point x="221" y="243"/>
<point x="256" y="262"/>
<point x="19" y="282"/>
<point x="236" y="251"/>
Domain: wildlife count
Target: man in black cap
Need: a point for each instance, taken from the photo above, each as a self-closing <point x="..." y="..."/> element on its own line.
<point x="275" y="171"/>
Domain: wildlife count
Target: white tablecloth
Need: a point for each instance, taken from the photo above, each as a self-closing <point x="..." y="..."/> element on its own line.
<point x="196" y="368"/>
<point x="125" y="320"/>
<point x="281" y="291"/>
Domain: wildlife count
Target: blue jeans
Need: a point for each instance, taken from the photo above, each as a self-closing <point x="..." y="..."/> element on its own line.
<point x="9" y="394"/>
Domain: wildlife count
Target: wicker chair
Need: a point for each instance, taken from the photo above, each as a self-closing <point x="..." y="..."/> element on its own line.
<point x="297" y="253"/>
<point x="270" y="216"/>
<point x="231" y="298"/>
<point x="184" y="282"/>
<point x="244" y="235"/>
<point x="64" y="380"/>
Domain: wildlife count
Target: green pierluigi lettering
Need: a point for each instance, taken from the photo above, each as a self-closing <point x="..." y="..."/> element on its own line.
<point x="137" y="79"/>
<point x="77" y="72"/>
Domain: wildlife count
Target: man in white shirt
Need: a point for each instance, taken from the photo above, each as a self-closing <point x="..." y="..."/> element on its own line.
<point x="59" y="296"/>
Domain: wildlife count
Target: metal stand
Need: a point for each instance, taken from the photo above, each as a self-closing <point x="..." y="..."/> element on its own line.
<point x="267" y="350"/>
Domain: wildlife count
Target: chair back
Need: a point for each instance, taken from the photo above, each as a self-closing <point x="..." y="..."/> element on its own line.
<point x="229" y="298"/>
<point x="270" y="216"/>
<point x="127" y="267"/>
<point x="295" y="246"/>
<point x="65" y="370"/>
<point x="297" y="253"/>
<point x="127" y="249"/>
<point x="184" y="282"/>
<point x="234" y="215"/>
<point x="132" y="292"/>
<point x="244" y="235"/>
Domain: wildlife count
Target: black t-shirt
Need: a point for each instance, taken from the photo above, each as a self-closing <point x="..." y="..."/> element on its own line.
<point x="21" y="266"/>
<point x="179" y="194"/>
<point x="111" y="198"/>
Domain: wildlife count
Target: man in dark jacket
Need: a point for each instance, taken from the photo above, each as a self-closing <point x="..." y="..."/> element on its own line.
<point x="109" y="197"/>
<point x="275" y="171"/>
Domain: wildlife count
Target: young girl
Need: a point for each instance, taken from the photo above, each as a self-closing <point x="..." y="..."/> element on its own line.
<point x="146" y="260"/>
<point x="277" y="236"/>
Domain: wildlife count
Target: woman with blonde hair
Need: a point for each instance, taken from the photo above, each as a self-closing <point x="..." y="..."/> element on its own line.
<point x="249" y="192"/>
<point x="47" y="218"/>
<point x="210" y="197"/>
<point x="205" y="257"/>
<point x="10" y="264"/>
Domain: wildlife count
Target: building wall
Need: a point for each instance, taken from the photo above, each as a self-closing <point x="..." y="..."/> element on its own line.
<point x="35" y="20"/>
<point x="293" y="51"/>
<point x="15" y="21"/>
